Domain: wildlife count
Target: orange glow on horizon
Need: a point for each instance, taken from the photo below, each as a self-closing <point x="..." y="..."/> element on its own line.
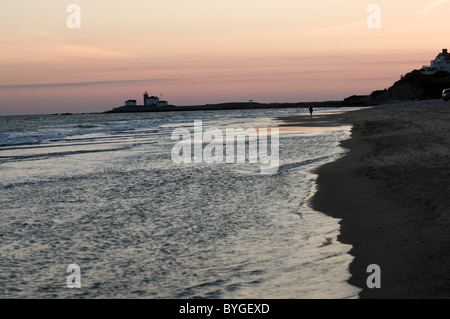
<point x="201" y="51"/>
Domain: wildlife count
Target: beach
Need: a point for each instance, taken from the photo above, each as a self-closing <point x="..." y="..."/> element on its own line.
<point x="102" y="191"/>
<point x="391" y="192"/>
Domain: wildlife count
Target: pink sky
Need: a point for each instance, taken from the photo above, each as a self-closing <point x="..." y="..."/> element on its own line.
<point x="199" y="51"/>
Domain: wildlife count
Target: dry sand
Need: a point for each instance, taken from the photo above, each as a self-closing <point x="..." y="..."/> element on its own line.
<point x="392" y="194"/>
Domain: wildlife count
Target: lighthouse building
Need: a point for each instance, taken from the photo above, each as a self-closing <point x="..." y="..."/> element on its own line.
<point x="150" y="100"/>
<point x="153" y="100"/>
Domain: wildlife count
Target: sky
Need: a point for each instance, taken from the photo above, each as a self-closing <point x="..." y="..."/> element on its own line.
<point x="55" y="60"/>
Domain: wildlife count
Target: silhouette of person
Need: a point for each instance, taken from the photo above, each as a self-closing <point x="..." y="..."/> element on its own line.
<point x="310" y="110"/>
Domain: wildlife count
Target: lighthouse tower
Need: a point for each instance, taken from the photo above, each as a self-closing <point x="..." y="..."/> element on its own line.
<point x="145" y="98"/>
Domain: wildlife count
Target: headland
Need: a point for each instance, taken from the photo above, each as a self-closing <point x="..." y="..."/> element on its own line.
<point x="223" y="106"/>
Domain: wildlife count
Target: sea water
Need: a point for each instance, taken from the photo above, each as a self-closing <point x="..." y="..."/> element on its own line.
<point x="101" y="191"/>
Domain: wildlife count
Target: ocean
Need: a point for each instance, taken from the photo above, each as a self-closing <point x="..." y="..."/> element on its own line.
<point x="102" y="192"/>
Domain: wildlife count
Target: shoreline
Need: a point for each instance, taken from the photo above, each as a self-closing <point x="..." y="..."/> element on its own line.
<point x="232" y="106"/>
<point x="390" y="192"/>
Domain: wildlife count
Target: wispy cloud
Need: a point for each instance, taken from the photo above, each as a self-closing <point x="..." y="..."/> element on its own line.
<point x="74" y="84"/>
<point x="427" y="10"/>
<point x="340" y="27"/>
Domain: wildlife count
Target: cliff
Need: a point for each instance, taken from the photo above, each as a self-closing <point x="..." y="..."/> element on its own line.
<point x="413" y="86"/>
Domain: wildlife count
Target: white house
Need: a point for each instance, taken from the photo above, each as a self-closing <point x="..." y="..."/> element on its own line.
<point x="130" y="103"/>
<point x="150" y="100"/>
<point x="162" y="103"/>
<point x="441" y="63"/>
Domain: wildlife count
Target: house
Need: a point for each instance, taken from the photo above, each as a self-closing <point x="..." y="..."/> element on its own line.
<point x="162" y="103"/>
<point x="130" y="103"/>
<point x="150" y="100"/>
<point x="440" y="63"/>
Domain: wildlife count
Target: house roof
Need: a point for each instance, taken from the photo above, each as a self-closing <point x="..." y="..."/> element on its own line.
<point x="445" y="54"/>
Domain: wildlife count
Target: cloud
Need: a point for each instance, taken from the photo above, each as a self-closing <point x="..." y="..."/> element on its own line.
<point x="430" y="7"/>
<point x="74" y="84"/>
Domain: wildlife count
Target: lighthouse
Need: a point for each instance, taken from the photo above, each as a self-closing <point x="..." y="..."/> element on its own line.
<point x="145" y="98"/>
<point x="150" y="100"/>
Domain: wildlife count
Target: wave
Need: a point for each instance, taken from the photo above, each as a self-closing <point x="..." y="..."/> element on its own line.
<point x="287" y="167"/>
<point x="31" y="157"/>
<point x="86" y="126"/>
<point x="76" y="132"/>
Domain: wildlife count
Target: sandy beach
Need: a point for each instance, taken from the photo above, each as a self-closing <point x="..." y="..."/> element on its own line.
<point x="391" y="192"/>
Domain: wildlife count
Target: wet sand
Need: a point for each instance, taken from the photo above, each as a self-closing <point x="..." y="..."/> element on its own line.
<point x="392" y="194"/>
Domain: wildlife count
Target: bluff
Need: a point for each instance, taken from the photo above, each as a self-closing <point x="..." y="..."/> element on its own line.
<point x="413" y="86"/>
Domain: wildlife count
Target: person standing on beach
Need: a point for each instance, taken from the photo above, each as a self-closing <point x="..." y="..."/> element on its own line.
<point x="310" y="110"/>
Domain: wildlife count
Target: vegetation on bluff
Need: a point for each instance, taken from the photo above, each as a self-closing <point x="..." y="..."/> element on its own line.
<point x="415" y="85"/>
